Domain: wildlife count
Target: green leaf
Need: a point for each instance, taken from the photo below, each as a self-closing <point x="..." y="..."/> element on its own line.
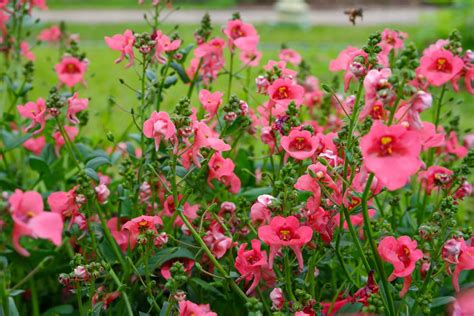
<point x="170" y="81"/>
<point x="38" y="164"/>
<point x="181" y="72"/>
<point x="60" y="309"/>
<point x="13" y="309"/>
<point x="165" y="255"/>
<point x="164" y="309"/>
<point x="252" y="194"/>
<point x="96" y="162"/>
<point x="208" y="288"/>
<point x="11" y="141"/>
<point x="92" y="174"/>
<point x="442" y="300"/>
<point x="150" y="75"/>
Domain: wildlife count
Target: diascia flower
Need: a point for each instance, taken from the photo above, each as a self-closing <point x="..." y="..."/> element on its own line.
<point x="71" y="71"/>
<point x="251" y="264"/>
<point x="456" y="251"/>
<point x="52" y="34"/>
<point x="35" y="145"/>
<point x="75" y="105"/>
<point x="282" y="232"/>
<point x="36" y="111"/>
<point x="159" y="126"/>
<point x="300" y="144"/>
<point x="403" y="254"/>
<point x="164" y="45"/>
<point x="124" y="44"/>
<point x="30" y="219"/>
<point x="439" y="66"/>
<point x="210" y="101"/>
<point x="291" y="56"/>
<point x="391" y="153"/>
<point x="284" y="91"/>
<point x="222" y="169"/>
<point x="139" y="225"/>
<point x="71" y="131"/>
<point x="188" y="308"/>
<point x="435" y="177"/>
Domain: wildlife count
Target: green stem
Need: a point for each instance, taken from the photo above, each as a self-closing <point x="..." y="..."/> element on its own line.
<point x="121" y="288"/>
<point x="375" y="253"/>
<point x="439" y="105"/>
<point x="33" y="272"/>
<point x="198" y="238"/>
<point x="288" y="279"/>
<point x="231" y="75"/>
<point x="79" y="300"/>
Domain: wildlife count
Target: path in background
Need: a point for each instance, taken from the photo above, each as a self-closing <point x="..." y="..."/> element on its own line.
<point x="372" y="16"/>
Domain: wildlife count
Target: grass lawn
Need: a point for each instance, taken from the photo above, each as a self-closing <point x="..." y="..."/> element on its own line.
<point x="121" y="4"/>
<point x="318" y="45"/>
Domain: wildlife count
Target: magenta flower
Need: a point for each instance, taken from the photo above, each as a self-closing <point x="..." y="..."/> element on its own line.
<point x="165" y="268"/>
<point x="290" y="56"/>
<point x="217" y="242"/>
<point x="64" y="203"/>
<point x="30" y="219"/>
<point x="164" y="45"/>
<point x="159" y="126"/>
<point x="392" y="39"/>
<point x="59" y="141"/>
<point x="204" y="137"/>
<point x="236" y="29"/>
<point x="188" y="308"/>
<point x="439" y="66"/>
<point x="35" y="145"/>
<point x="435" y="177"/>
<point x="455" y="251"/>
<point x="71" y="71"/>
<point x="36" y="111"/>
<point x="282" y="232"/>
<point x="403" y="255"/>
<point x="391" y="153"/>
<point x="277" y="298"/>
<point x="139" y="225"/>
<point x="210" y="101"/>
<point x="75" y="105"/>
<point x="26" y="52"/>
<point x="453" y="147"/>
<point x="52" y="34"/>
<point x="222" y="169"/>
<point x="284" y="91"/>
<point x="124" y="44"/>
<point x="317" y="175"/>
<point x="251" y="263"/>
<point x="300" y="144"/>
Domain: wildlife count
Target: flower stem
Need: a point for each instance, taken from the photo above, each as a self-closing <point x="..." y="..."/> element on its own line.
<point x="121" y="286"/>
<point x="369" y="233"/>
<point x="231" y="75"/>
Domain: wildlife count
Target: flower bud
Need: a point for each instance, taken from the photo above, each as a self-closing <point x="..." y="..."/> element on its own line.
<point x="276" y="296"/>
<point x="451" y="251"/>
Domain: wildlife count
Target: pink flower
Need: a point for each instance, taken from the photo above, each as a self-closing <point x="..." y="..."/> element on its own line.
<point x="64" y="203"/>
<point x="124" y="44"/>
<point x="217" y="242"/>
<point x="75" y="106"/>
<point x="317" y="176"/>
<point x="285" y="231"/>
<point x="453" y="147"/>
<point x="272" y="65"/>
<point x="188" y="308"/>
<point x="35" y="145"/>
<point x="403" y="255"/>
<point x="30" y="219"/>
<point x="237" y="29"/>
<point x="52" y="34"/>
<point x="251" y="263"/>
<point x="223" y="171"/>
<point x="26" y="52"/>
<point x="204" y="138"/>
<point x="455" y="251"/>
<point x="71" y="70"/>
<point x="36" y="111"/>
<point x="164" y="45"/>
<point x="277" y="298"/>
<point x="300" y="144"/>
<point x="439" y="66"/>
<point x="429" y="137"/>
<point x="71" y="131"/>
<point x="376" y="81"/>
<point x="139" y="225"/>
<point x="392" y="146"/>
<point x="435" y="177"/>
<point x="102" y="192"/>
<point x="392" y="40"/>
<point x="410" y="112"/>
<point x="210" y="101"/>
<point x="159" y="126"/>
<point x="284" y="91"/>
<point x="260" y="212"/>
<point x="290" y="56"/>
